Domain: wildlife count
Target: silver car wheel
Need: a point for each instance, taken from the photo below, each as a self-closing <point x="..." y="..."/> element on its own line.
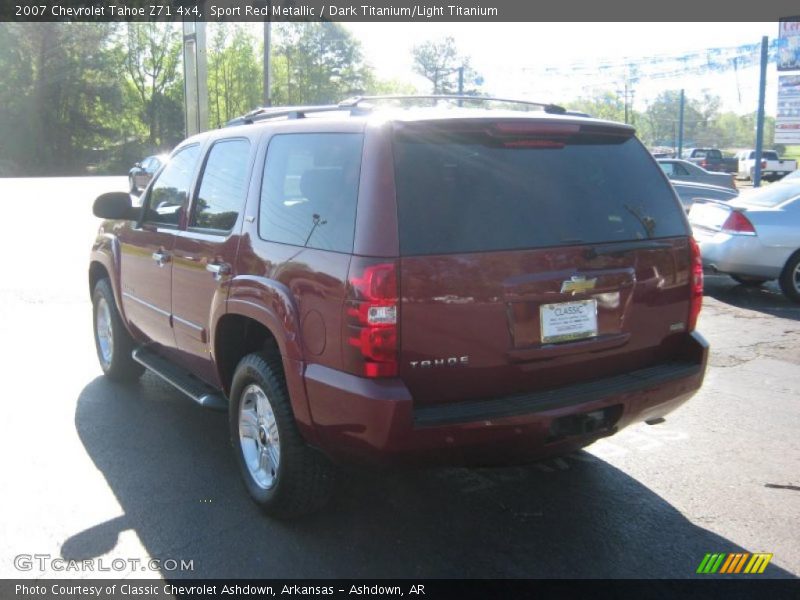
<point x="258" y="436"/>
<point x="104" y="331"/>
<point x="796" y="277"/>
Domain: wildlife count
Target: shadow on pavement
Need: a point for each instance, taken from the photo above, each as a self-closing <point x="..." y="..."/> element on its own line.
<point x="766" y="298"/>
<point x="170" y="466"/>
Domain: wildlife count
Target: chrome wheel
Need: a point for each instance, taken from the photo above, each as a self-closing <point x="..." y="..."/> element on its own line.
<point x="258" y="436"/>
<point x="104" y="332"/>
<point x="796" y="277"/>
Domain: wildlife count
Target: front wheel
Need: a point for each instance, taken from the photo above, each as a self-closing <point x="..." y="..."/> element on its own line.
<point x="113" y="342"/>
<point x="790" y="278"/>
<point x="282" y="474"/>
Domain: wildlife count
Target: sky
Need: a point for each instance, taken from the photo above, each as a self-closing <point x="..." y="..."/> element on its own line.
<point x="512" y="57"/>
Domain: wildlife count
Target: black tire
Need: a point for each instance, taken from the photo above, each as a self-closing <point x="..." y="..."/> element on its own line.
<point x="749" y="281"/>
<point x="118" y="363"/>
<point x="302" y="481"/>
<point x="790" y="278"/>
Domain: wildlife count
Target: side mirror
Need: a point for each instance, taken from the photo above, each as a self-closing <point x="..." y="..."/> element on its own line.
<point x="137" y="165"/>
<point x="115" y="205"/>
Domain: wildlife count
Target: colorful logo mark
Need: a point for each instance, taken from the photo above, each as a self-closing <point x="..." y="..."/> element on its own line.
<point x="734" y="563"/>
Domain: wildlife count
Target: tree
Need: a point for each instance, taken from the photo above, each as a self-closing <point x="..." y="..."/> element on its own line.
<point x="56" y="75"/>
<point x="234" y="74"/>
<point x="662" y="116"/>
<point x="603" y="105"/>
<point x="152" y="58"/>
<point x="316" y="63"/>
<point x="439" y="62"/>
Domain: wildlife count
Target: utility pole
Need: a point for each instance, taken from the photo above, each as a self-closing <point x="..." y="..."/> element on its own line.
<point x="626" y="100"/>
<point x="760" y="120"/>
<point x="267" y="65"/>
<point x="195" y="78"/>
<point x="460" y="84"/>
<point x="680" y="127"/>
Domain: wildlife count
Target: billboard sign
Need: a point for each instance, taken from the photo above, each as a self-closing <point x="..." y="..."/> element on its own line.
<point x="787" y="121"/>
<point x="789" y="48"/>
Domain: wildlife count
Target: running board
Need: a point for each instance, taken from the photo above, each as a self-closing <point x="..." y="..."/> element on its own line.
<point x="190" y="385"/>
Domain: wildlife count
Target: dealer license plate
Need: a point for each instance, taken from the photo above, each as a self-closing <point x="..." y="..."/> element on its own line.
<point x="566" y="321"/>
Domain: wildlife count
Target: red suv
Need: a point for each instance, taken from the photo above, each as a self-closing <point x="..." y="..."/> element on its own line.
<point x="426" y="285"/>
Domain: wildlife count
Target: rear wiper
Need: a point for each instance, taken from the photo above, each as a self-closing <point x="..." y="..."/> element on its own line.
<point x="622" y="247"/>
<point x="649" y="223"/>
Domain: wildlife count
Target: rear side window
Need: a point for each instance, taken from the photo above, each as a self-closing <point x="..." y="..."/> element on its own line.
<point x="223" y="187"/>
<point x="310" y="189"/>
<point x="472" y="192"/>
<point x="171" y="190"/>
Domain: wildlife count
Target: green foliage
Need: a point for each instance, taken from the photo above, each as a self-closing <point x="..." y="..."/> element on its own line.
<point x="152" y="57"/>
<point x="55" y="75"/>
<point x="316" y="63"/>
<point x="605" y="105"/>
<point x="234" y="74"/>
<point x="439" y="62"/>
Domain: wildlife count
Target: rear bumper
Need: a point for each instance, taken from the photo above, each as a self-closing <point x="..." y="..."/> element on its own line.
<point x="740" y="254"/>
<point x="375" y="421"/>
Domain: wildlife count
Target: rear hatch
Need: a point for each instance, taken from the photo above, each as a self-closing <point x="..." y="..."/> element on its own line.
<point x="534" y="253"/>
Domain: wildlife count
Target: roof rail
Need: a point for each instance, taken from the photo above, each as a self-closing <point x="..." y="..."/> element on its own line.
<point x="354" y="105"/>
<point x="290" y="112"/>
<point x="548" y="108"/>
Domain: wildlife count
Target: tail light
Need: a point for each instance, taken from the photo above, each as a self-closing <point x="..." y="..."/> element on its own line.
<point x="696" y="284"/>
<point x="763" y="164"/>
<point x="371" y="318"/>
<point x="704" y="163"/>
<point x="738" y="224"/>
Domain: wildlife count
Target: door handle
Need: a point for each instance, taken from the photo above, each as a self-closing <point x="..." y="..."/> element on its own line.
<point x="218" y="269"/>
<point x="161" y="258"/>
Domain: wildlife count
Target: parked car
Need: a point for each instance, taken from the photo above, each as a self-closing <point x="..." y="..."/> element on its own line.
<point x="142" y="172"/>
<point x="711" y="159"/>
<point x="425" y="286"/>
<point x="754" y="238"/>
<point x="772" y="167"/>
<point x="792" y="177"/>
<point x="689" y="192"/>
<point x="684" y="170"/>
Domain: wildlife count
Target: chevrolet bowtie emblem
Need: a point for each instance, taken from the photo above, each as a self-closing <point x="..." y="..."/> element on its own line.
<point x="578" y="284"/>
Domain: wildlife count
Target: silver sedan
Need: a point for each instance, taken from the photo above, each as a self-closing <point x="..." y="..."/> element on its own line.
<point x="690" y="192"/>
<point x="753" y="238"/>
<point x="683" y="170"/>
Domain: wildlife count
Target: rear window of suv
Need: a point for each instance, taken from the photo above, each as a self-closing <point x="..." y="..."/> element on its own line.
<point x="472" y="192"/>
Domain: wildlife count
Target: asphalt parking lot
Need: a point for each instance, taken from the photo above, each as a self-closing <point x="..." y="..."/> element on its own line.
<point x="95" y="470"/>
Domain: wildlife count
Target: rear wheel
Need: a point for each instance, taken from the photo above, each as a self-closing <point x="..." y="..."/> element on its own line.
<point x="790" y="278"/>
<point x="283" y="475"/>
<point x="749" y="281"/>
<point x="113" y="342"/>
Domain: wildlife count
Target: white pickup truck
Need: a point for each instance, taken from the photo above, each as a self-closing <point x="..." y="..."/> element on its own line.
<point x="772" y="167"/>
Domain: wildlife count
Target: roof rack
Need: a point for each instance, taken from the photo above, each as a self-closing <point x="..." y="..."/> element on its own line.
<point x="353" y="105"/>
<point x="290" y="112"/>
<point x="548" y="107"/>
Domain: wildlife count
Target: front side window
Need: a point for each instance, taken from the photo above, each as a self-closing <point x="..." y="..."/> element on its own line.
<point x="171" y="190"/>
<point x="223" y="188"/>
<point x="310" y="189"/>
